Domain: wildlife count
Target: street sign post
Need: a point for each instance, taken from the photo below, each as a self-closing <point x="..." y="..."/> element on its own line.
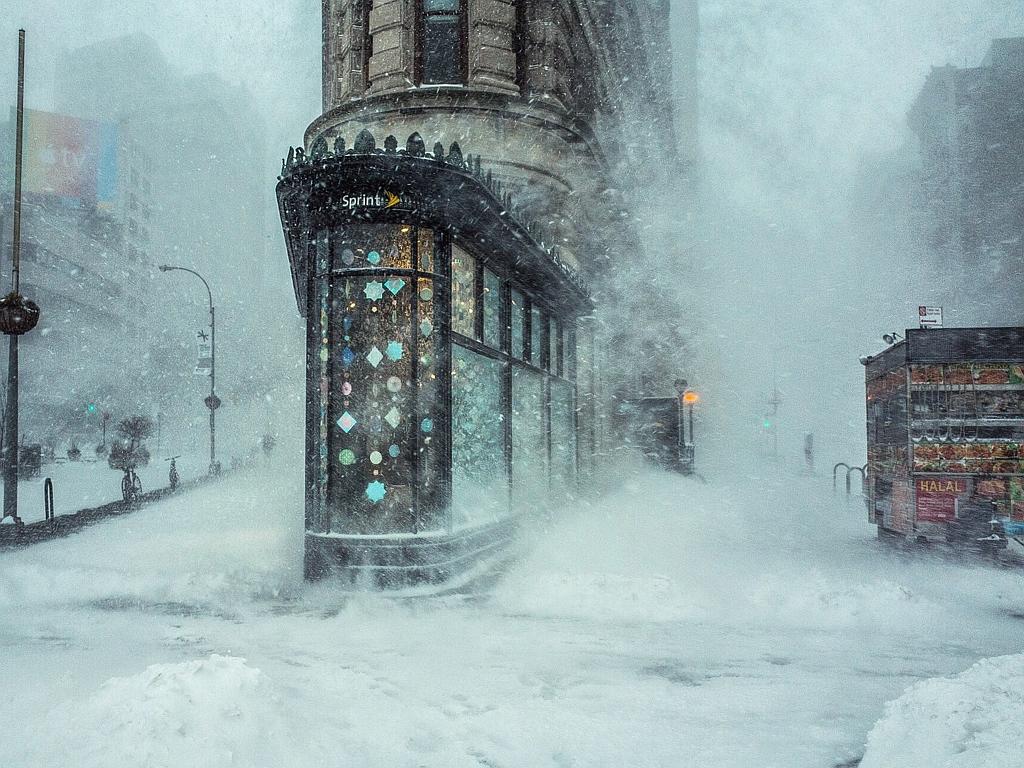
<point x="929" y="317"/>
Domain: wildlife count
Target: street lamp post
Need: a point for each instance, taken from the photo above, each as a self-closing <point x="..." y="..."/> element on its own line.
<point x="212" y="401"/>
<point x="18" y="315"/>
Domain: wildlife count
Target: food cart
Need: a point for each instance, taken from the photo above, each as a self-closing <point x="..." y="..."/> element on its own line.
<point x="945" y="432"/>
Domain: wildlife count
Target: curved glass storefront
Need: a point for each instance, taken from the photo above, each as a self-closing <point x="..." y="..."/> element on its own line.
<point x="443" y="396"/>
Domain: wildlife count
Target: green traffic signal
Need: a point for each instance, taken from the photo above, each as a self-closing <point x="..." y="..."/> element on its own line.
<point x="91" y="407"/>
<point x="767" y="424"/>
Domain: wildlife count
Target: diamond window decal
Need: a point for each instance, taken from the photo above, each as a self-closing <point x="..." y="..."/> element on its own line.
<point x="376" y="491"/>
<point x="393" y="417"/>
<point x="346" y="422"/>
<point x="394" y="350"/>
<point x="375" y="356"/>
<point x="374" y="290"/>
<point x="395" y="284"/>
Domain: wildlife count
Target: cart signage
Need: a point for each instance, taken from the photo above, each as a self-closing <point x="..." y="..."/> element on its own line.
<point x="929" y="317"/>
<point x="937" y="497"/>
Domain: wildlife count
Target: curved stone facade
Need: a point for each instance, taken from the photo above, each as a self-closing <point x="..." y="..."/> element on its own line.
<point x="541" y="80"/>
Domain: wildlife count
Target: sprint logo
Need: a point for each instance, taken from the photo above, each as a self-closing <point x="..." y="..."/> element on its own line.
<point x="383" y="201"/>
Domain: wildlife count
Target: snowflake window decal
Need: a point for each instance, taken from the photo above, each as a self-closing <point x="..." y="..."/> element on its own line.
<point x="374" y="290"/>
<point x="376" y="491"/>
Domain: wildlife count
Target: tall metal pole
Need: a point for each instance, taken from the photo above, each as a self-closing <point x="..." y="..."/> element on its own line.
<point x="10" y="449"/>
<point x="212" y="402"/>
<point x="213" y="382"/>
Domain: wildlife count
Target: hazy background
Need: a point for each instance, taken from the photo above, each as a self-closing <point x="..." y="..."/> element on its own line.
<point x="801" y="102"/>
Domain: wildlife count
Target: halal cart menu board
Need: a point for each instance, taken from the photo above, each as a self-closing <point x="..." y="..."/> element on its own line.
<point x="986" y="374"/>
<point x="969" y="458"/>
<point x="937" y="497"/>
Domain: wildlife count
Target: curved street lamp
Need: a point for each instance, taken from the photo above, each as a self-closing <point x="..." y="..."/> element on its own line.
<point x="212" y="401"/>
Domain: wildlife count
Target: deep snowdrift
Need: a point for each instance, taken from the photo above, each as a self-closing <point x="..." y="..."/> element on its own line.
<point x="210" y="712"/>
<point x="972" y="720"/>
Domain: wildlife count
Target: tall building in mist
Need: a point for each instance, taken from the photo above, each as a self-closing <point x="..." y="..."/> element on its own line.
<point x="970" y="127"/>
<point x="84" y="251"/>
<point x="466" y="228"/>
<point x="205" y="140"/>
<point x="207" y="211"/>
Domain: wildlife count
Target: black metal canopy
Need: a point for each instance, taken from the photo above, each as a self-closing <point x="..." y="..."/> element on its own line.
<point x="445" y="192"/>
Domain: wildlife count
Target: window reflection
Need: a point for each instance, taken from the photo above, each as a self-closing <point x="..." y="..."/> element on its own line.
<point x="535" y="336"/>
<point x="518" y="323"/>
<point x="479" y="478"/>
<point x="492" y="310"/>
<point x="463" y="292"/>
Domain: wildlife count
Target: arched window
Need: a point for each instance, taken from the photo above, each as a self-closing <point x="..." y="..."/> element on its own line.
<point x="442" y="46"/>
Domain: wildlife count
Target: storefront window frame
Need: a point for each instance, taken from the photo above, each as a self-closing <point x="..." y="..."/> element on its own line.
<point x="540" y="359"/>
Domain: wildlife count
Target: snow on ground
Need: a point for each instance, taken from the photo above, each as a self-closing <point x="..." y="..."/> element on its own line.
<point x="86" y="484"/>
<point x="972" y="720"/>
<point x="749" y="621"/>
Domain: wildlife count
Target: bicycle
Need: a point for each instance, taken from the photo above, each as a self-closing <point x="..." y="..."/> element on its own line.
<point x="131" y="486"/>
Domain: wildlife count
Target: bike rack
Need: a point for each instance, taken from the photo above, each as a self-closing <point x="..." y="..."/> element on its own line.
<point x="849" y="471"/>
<point x="48" y="500"/>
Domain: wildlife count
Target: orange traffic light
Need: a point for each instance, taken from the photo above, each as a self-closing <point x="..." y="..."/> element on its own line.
<point x="690" y="397"/>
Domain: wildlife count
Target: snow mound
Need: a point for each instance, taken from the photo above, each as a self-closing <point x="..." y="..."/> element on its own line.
<point x="209" y="712"/>
<point x="972" y="720"/>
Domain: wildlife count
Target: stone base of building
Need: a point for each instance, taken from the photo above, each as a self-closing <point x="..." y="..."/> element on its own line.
<point x="398" y="561"/>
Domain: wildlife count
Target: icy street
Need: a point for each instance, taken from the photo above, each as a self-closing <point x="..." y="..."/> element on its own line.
<point x="671" y="625"/>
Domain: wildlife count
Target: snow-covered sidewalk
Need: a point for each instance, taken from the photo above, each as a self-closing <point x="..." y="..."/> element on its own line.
<point x="671" y="624"/>
<point x="81" y="485"/>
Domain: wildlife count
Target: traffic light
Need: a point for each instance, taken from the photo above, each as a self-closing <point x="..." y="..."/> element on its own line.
<point x="91" y="407"/>
<point x="767" y="423"/>
<point x="690" y="397"/>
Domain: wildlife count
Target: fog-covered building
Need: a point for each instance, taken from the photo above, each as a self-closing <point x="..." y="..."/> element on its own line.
<point x="457" y="219"/>
<point x="85" y="261"/>
<point x="208" y="204"/>
<point x="970" y="126"/>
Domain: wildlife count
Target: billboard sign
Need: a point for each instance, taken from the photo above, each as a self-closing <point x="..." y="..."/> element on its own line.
<point x="70" y="158"/>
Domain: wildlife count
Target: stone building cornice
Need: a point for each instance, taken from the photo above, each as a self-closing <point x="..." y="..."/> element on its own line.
<point x="545" y="115"/>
